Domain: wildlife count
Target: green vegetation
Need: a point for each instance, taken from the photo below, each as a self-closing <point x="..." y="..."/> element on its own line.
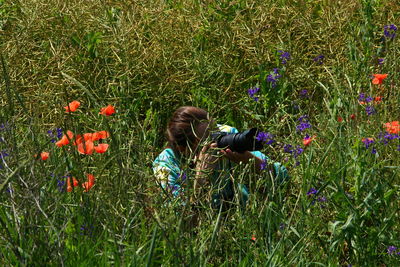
<point x="147" y="58"/>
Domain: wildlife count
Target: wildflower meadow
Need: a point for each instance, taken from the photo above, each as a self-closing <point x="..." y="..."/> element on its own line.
<point x="86" y="92"/>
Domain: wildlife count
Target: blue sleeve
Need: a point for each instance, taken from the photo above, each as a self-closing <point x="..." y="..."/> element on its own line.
<point x="168" y="173"/>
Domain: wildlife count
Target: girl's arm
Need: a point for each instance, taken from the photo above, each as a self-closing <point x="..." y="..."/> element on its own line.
<point x="242" y="157"/>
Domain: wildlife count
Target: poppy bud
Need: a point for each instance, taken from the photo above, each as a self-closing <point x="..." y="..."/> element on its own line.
<point x="108" y="111"/>
<point x="44" y="155"/>
<point x="73" y="106"/>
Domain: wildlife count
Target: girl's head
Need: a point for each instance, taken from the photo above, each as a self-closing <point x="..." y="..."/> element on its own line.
<point x="187" y="128"/>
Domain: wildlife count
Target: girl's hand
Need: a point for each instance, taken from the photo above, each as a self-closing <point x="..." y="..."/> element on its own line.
<point x="206" y="162"/>
<point x="242" y="157"/>
<point x="236" y="156"/>
<point x="207" y="158"/>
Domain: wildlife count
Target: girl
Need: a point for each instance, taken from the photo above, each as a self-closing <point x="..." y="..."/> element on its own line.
<point x="188" y="128"/>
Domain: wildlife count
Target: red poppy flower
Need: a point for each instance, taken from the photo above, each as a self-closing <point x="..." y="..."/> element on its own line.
<point x="379" y="78"/>
<point x="101" y="148"/>
<point x="63" y="141"/>
<point x="70" y="134"/>
<point x="86" y="147"/>
<point x="378" y="99"/>
<point x="307" y="140"/>
<point x="253" y="238"/>
<point x="73" y="106"/>
<point x="44" y="155"/>
<point x="100" y="135"/>
<point x="78" y="140"/>
<point x="69" y="187"/>
<point x="368" y="139"/>
<point x="109" y="110"/>
<point x="87" y="136"/>
<point x="392" y="127"/>
<point x="75" y="182"/>
<point x="90" y="183"/>
<point x="339" y="119"/>
<point x="353" y="116"/>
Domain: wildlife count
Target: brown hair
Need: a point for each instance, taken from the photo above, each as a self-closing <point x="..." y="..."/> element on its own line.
<point x="182" y="129"/>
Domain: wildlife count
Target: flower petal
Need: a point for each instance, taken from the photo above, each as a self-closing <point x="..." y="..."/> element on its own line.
<point x="101" y="148"/>
<point x="73" y="106"/>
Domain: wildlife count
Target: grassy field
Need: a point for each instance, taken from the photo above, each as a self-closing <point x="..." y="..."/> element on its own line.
<point x="309" y="65"/>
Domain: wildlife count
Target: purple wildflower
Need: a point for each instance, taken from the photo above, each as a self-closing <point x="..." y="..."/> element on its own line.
<point x="86" y="229"/>
<point x="389" y="31"/>
<point x="287" y="148"/>
<point x="285" y="56"/>
<point x="373" y="150"/>
<point x="263" y="165"/>
<point x="368" y="142"/>
<point x="369" y="99"/>
<point x="304" y="93"/>
<point x="398" y="148"/>
<point x="273" y="80"/>
<point x="391" y="250"/>
<point x="182" y="176"/>
<point x="386" y="137"/>
<point x="61" y="185"/>
<point x="51" y="135"/>
<point x="265" y="137"/>
<point x="380" y="61"/>
<point x="370" y="110"/>
<point x="319" y="59"/>
<point x="252" y="92"/>
<point x="312" y="191"/>
<point x="298" y="151"/>
<point x="3" y="154"/>
<point x="59" y="133"/>
<point x="304" y="123"/>
<point x="361" y="97"/>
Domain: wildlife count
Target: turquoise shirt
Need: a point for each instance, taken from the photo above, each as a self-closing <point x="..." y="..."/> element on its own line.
<point x="172" y="179"/>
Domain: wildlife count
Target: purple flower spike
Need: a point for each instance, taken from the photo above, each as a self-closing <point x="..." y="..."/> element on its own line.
<point x="361" y="97"/>
<point x="285" y="56"/>
<point x="265" y="137"/>
<point x="391" y="250"/>
<point x="304" y="93"/>
<point x="370" y="110"/>
<point x="368" y="142"/>
<point x="287" y="148"/>
<point x="263" y="165"/>
<point x="59" y="133"/>
<point x="61" y="185"/>
<point x="319" y="59"/>
<point x="389" y="31"/>
<point x="312" y="191"/>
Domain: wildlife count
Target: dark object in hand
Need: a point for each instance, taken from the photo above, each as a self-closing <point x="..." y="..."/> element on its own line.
<point x="238" y="142"/>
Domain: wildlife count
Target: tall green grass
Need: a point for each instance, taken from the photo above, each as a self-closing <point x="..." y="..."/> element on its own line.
<point x="149" y="57"/>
